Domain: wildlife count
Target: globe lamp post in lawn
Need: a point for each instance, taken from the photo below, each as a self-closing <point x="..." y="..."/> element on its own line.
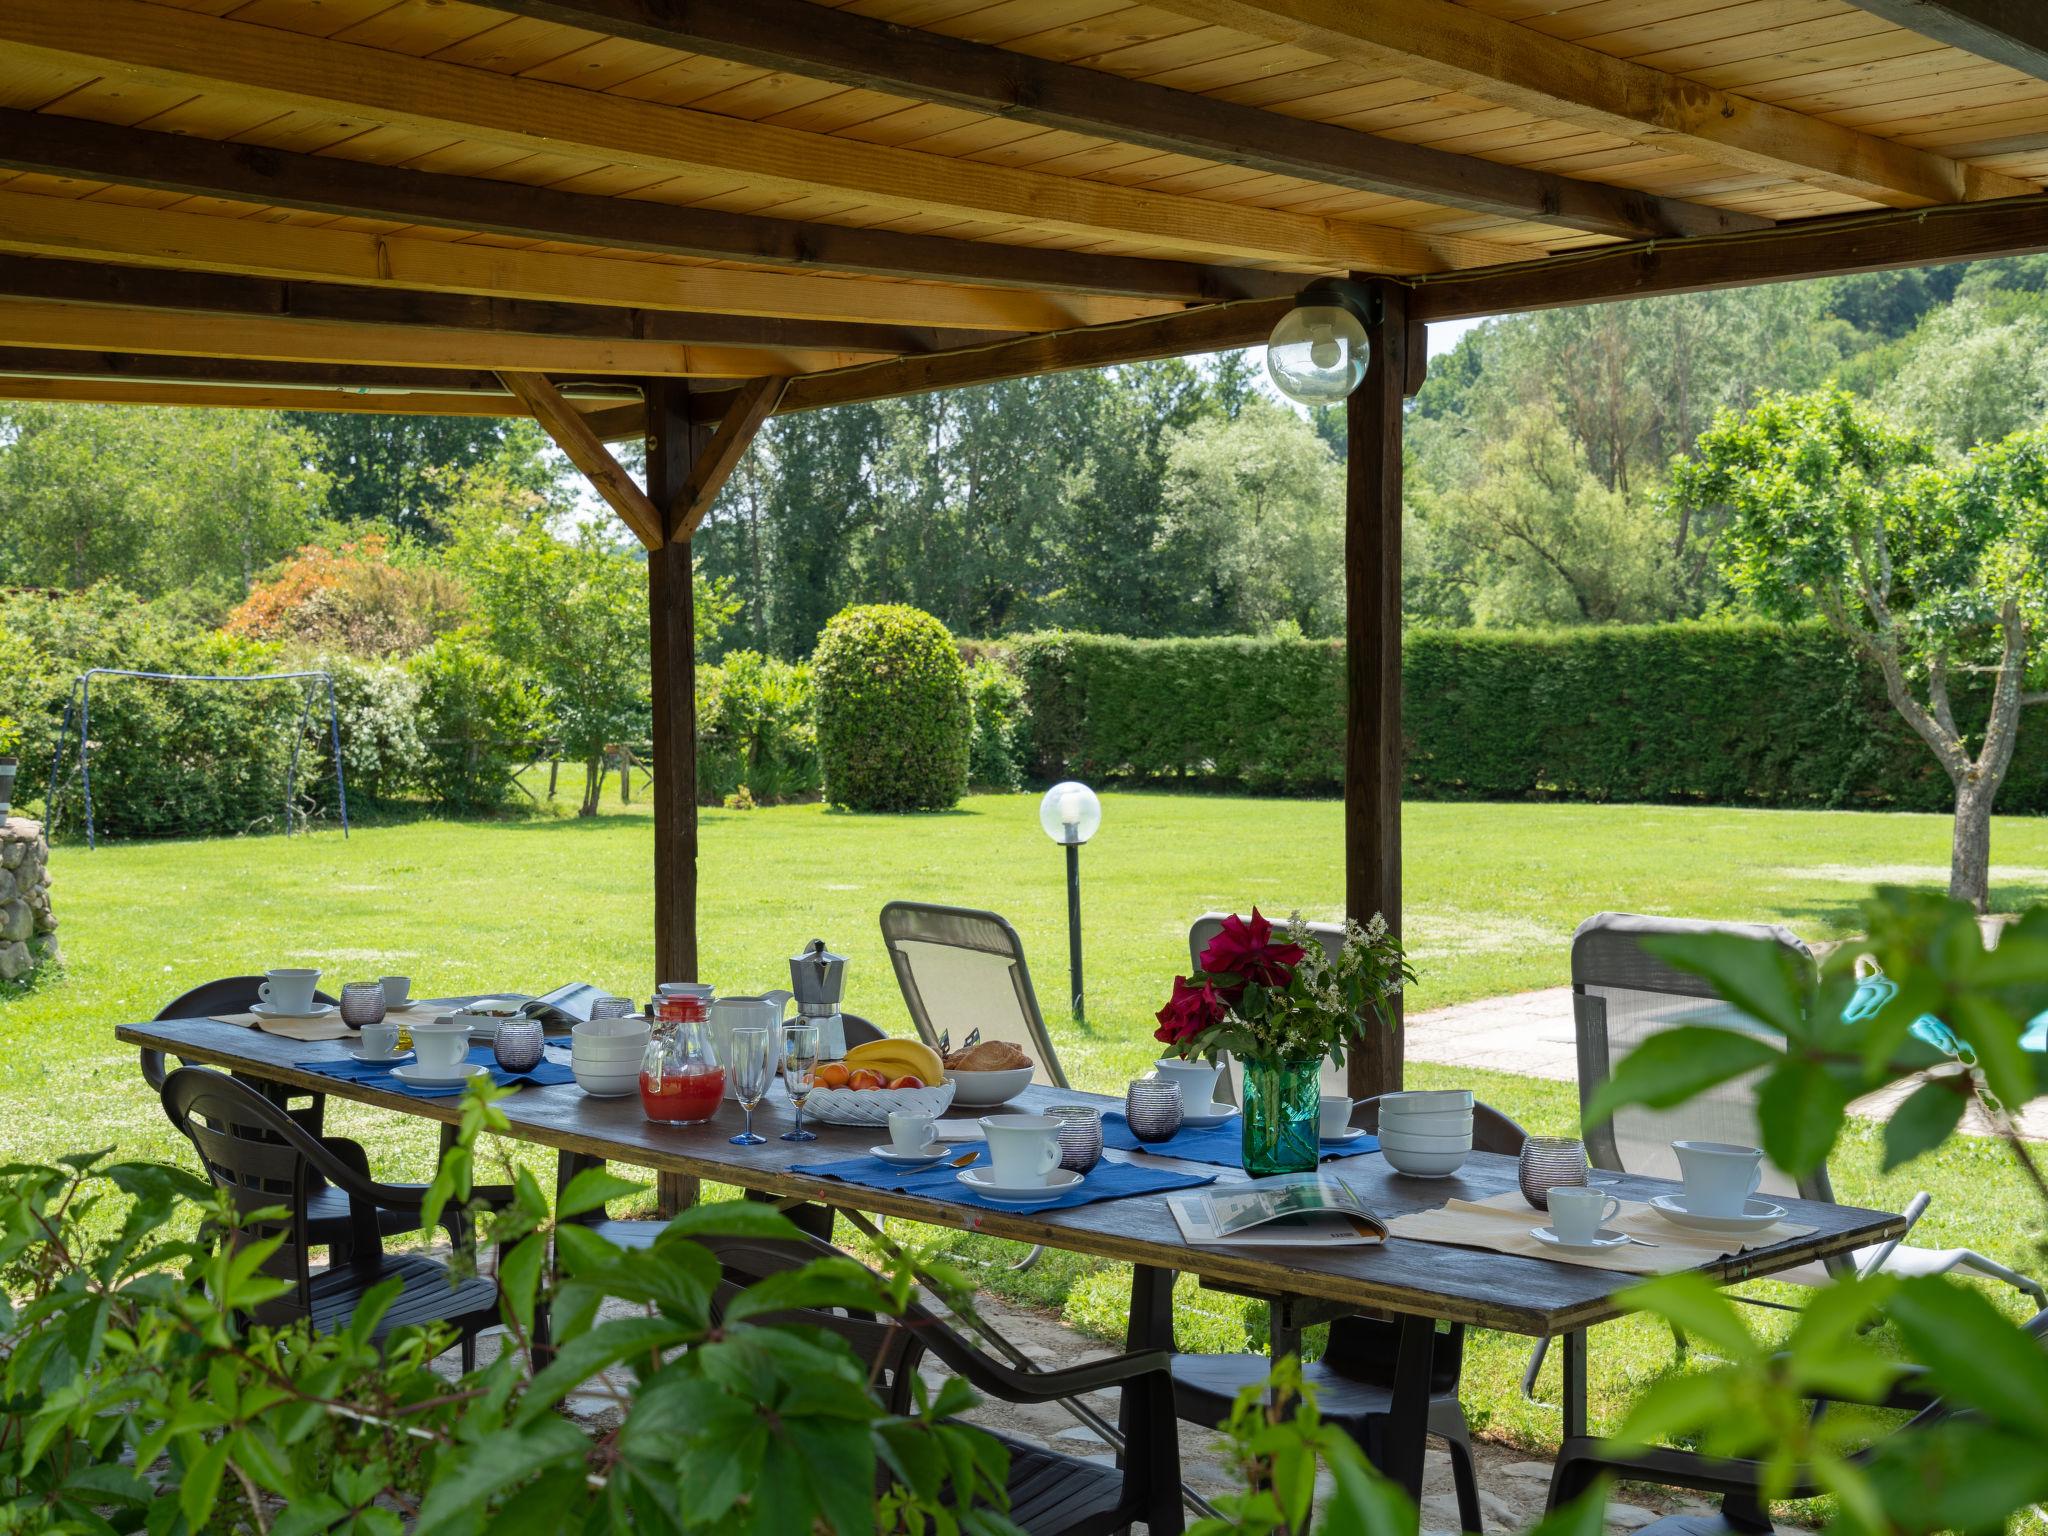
<point x="1070" y="813"/>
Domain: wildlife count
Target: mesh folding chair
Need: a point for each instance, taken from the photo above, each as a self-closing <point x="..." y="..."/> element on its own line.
<point x="1205" y="928"/>
<point x="963" y="970"/>
<point x="1621" y="996"/>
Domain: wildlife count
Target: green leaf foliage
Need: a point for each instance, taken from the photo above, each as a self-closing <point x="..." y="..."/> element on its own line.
<point x="894" y="720"/>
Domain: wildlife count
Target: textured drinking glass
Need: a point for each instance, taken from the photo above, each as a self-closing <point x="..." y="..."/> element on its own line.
<point x="751" y="1068"/>
<point x="1550" y="1162"/>
<point x="1080" y="1135"/>
<point x="799" y="1066"/>
<point x="612" y="1008"/>
<point x="517" y="1045"/>
<point x="1152" y="1108"/>
<point x="362" y="1002"/>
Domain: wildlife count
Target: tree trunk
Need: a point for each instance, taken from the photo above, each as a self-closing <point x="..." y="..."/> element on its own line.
<point x="1969" y="870"/>
<point x="593" y="784"/>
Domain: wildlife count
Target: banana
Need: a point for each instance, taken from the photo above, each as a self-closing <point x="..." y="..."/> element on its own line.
<point x="899" y="1058"/>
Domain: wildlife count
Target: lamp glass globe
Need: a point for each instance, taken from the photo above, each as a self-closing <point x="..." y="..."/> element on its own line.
<point x="1317" y="354"/>
<point x="1070" y="813"/>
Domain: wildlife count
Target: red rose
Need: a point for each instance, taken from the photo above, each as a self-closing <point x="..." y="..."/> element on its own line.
<point x="1246" y="950"/>
<point x="1192" y="1009"/>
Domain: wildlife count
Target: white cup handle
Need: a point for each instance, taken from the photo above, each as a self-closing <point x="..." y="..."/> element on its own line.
<point x="1048" y="1156"/>
<point x="263" y="991"/>
<point x="1611" y="1210"/>
<point x="1756" y="1179"/>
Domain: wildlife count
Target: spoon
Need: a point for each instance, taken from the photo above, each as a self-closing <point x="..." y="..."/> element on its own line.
<point x="963" y="1161"/>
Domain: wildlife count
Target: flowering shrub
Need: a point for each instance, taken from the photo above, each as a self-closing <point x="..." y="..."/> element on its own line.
<point x="1286" y="999"/>
<point x="353" y="598"/>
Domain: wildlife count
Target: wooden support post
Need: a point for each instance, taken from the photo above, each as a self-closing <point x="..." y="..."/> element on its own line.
<point x="1373" y="747"/>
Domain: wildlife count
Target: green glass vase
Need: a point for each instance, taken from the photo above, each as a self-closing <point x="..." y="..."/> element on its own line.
<point x="1281" y="1116"/>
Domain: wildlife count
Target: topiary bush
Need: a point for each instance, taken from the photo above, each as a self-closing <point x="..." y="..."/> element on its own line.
<point x="892" y="710"/>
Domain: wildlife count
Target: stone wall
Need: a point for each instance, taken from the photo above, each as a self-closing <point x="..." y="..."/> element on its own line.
<point x="28" y="928"/>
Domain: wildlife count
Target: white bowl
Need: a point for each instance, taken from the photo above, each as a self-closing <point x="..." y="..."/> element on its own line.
<point x="611" y="1029"/>
<point x="1425" y="1100"/>
<point x="1428" y="1125"/>
<point x="608" y="1050"/>
<point x="1428" y="1165"/>
<point x="1407" y="1143"/>
<point x="979" y="1090"/>
<point x="607" y="1085"/>
<point x="873" y="1106"/>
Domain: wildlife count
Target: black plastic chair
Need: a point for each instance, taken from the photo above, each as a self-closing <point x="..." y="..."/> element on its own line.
<point x="1354" y="1380"/>
<point x="264" y="1158"/>
<point x="1051" y="1494"/>
<point x="327" y="1211"/>
<point x="1583" y="1460"/>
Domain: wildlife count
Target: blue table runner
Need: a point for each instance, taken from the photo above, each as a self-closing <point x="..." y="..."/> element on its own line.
<point x="377" y="1074"/>
<point x="1222" y="1144"/>
<point x="1105" y="1181"/>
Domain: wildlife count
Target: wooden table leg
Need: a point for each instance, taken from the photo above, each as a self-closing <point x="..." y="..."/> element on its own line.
<point x="1575" y="1383"/>
<point x="1150" y="1326"/>
<point x="1408" y="1413"/>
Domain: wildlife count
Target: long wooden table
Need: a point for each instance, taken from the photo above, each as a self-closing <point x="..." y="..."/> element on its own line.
<point x="1417" y="1283"/>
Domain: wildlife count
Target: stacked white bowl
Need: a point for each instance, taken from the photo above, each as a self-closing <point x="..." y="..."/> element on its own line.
<point x="1426" y="1132"/>
<point x="604" y="1054"/>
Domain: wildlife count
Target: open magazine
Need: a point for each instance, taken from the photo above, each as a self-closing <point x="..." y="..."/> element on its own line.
<point x="1297" y="1210"/>
<point x="558" y="1011"/>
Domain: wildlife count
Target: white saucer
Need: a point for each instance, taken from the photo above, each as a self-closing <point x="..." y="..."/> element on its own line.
<point x="1606" y="1237"/>
<point x="931" y="1154"/>
<point x="982" y="1182"/>
<point x="420" y="1077"/>
<point x="265" y="1011"/>
<point x="1208" y="1115"/>
<point x="366" y="1057"/>
<point x="1351" y="1134"/>
<point x="1756" y="1215"/>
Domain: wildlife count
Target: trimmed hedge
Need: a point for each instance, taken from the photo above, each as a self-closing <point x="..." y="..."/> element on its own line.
<point x="1714" y="713"/>
<point x="892" y="709"/>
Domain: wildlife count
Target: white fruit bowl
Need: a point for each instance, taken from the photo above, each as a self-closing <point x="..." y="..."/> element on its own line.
<point x="873" y="1106"/>
<point x="980" y="1090"/>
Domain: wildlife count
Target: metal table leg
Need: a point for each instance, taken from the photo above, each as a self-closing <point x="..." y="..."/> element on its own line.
<point x="1575" y="1383"/>
<point x="1408" y="1414"/>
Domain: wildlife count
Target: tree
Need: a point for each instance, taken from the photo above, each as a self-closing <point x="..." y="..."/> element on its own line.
<point x="1931" y="570"/>
<point x="162" y="500"/>
<point x="404" y="470"/>
<point x="1973" y="374"/>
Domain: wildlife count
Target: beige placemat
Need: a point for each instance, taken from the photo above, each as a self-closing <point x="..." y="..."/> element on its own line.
<point x="329" y="1028"/>
<point x="1502" y="1224"/>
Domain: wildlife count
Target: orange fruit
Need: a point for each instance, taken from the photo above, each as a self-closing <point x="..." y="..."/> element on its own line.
<point x="864" y="1078"/>
<point x="833" y="1075"/>
<point x="908" y="1080"/>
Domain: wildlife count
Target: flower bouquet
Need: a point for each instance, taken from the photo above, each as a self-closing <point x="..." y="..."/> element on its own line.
<point x="1281" y="1005"/>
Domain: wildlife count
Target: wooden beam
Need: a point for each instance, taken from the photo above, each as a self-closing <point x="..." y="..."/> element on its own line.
<point x="851" y="49"/>
<point x="1211" y="328"/>
<point x="675" y="443"/>
<point x="618" y="423"/>
<point x="753" y="404"/>
<point x="52" y="362"/>
<point x="254" y="397"/>
<point x="1870" y="242"/>
<point x="2009" y="32"/>
<point x="573" y="435"/>
<point x="97" y="282"/>
<point x="154" y="45"/>
<point x="114" y="232"/>
<point x="75" y="148"/>
<point x="114" y="328"/>
<point x="1462" y="48"/>
<point x="1374" y="746"/>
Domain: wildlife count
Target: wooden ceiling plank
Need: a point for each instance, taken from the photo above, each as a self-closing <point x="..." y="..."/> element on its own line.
<point x="51" y="226"/>
<point x="2009" y="32"/>
<point x="161" y="46"/>
<point x="1452" y="45"/>
<point x="51" y="362"/>
<point x="117" y="328"/>
<point x="853" y="50"/>
<point x="257" y="397"/>
<point x="586" y="450"/>
<point x="337" y="185"/>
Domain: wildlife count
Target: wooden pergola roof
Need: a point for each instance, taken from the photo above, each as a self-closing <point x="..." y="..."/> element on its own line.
<point x="383" y="204"/>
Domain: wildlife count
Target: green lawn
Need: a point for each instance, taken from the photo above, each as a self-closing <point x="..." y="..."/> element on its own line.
<point x="1495" y="891"/>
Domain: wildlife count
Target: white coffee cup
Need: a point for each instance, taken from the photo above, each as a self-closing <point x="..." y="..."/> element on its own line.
<point x="1335" y="1112"/>
<point x="1197" y="1081"/>
<point x="1022" y="1148"/>
<point x="440" y="1047"/>
<point x="379" y="1039"/>
<point x="909" y="1131"/>
<point x="1719" y="1176"/>
<point x="396" y="990"/>
<point x="1576" y="1215"/>
<point x="288" y="989"/>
